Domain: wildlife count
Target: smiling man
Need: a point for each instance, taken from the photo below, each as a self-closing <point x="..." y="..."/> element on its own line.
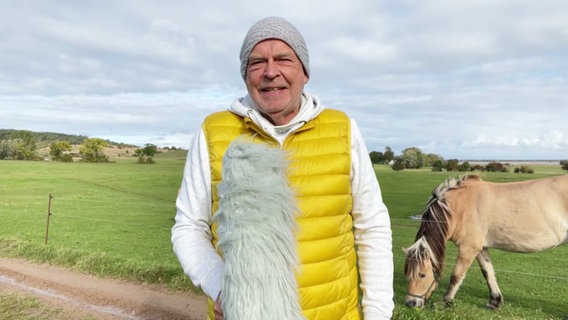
<point x="343" y="238"/>
<point x="275" y="80"/>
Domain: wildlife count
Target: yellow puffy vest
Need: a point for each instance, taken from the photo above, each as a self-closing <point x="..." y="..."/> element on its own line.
<point x="320" y="175"/>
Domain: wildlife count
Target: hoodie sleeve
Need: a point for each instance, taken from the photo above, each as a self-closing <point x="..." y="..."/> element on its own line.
<point x="191" y="233"/>
<point x="373" y="235"/>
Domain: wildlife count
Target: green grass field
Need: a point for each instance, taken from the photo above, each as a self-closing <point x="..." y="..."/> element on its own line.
<point x="114" y="220"/>
<point x="110" y="219"/>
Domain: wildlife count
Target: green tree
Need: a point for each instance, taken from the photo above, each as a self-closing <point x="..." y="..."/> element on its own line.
<point x="413" y="158"/>
<point x="477" y="167"/>
<point x="438" y="165"/>
<point x="495" y="167"/>
<point x="465" y="166"/>
<point x="91" y="150"/>
<point x="23" y="145"/>
<point x="377" y="157"/>
<point x="57" y="151"/>
<point x="431" y="158"/>
<point x="398" y="165"/>
<point x="452" y="165"/>
<point x="564" y="164"/>
<point x="524" y="169"/>
<point x="5" y="149"/>
<point x="146" y="154"/>
<point x="388" y="154"/>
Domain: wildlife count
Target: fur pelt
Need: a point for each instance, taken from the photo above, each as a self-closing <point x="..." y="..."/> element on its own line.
<point x="257" y="226"/>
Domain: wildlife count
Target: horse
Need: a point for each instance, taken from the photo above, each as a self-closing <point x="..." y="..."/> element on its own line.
<point x="523" y="217"/>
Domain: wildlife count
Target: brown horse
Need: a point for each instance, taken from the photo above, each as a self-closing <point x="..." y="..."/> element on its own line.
<point x="528" y="216"/>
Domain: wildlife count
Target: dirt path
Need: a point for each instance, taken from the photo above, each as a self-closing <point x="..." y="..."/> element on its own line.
<point x="82" y="296"/>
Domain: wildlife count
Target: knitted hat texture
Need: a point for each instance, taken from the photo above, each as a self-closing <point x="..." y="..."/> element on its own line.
<point x="274" y="28"/>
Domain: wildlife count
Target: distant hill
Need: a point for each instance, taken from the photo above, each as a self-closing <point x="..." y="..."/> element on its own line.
<point x="44" y="139"/>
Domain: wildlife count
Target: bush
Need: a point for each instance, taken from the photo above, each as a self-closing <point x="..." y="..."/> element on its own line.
<point x="377" y="157"/>
<point x="92" y="150"/>
<point x="66" y="158"/>
<point x="478" y="167"/>
<point x="452" y="165"/>
<point x="564" y="164"/>
<point x="398" y="165"/>
<point x="524" y="169"/>
<point x="464" y="167"/>
<point x="496" y="167"/>
<point x="146" y="154"/>
<point x="438" y="165"/>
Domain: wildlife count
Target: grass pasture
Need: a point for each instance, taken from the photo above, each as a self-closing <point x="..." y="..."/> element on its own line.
<point x="114" y="220"/>
<point x="110" y="219"/>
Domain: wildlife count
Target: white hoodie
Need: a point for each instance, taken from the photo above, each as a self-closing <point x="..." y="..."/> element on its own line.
<point x="191" y="234"/>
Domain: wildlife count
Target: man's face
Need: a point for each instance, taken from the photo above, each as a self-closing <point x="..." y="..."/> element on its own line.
<point x="275" y="80"/>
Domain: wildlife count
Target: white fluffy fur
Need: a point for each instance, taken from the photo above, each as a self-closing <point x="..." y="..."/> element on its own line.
<point x="257" y="234"/>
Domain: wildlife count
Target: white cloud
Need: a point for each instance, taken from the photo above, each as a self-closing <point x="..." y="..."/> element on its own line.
<point x="463" y="79"/>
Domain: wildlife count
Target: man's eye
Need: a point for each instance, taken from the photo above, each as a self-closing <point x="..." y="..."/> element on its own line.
<point x="286" y="60"/>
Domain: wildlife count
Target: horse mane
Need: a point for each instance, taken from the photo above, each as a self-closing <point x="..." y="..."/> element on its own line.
<point x="434" y="227"/>
<point x="415" y="255"/>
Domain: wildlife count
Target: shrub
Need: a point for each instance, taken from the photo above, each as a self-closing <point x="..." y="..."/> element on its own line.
<point x="496" y="167"/>
<point x="92" y="150"/>
<point x="524" y="169"/>
<point x="452" y="165"/>
<point x="438" y="165"/>
<point x="464" y="167"/>
<point x="398" y="165"/>
<point x="66" y="158"/>
<point x="478" y="167"/>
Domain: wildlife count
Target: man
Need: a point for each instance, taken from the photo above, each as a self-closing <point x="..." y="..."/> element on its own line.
<point x="344" y="240"/>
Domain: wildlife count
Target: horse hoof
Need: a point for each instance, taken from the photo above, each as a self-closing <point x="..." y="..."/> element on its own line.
<point x="494" y="305"/>
<point x="449" y="303"/>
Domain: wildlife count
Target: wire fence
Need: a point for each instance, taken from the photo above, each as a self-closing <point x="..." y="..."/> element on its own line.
<point x="107" y="221"/>
<point x="398" y="255"/>
<point x="404" y="225"/>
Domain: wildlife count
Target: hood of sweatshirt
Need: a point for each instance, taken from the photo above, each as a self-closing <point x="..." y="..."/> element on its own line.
<point x="310" y="108"/>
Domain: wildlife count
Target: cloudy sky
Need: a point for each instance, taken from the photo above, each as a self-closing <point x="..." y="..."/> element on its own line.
<point x="472" y="79"/>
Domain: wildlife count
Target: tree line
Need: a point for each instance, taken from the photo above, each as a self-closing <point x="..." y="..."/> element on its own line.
<point x="24" y="144"/>
<point x="18" y="145"/>
<point x="43" y="138"/>
<point x="414" y="158"/>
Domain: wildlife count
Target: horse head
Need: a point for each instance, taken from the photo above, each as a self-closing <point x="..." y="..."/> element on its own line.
<point x="421" y="273"/>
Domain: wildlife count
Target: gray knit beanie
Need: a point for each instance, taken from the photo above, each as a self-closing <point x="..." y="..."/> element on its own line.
<point x="274" y="28"/>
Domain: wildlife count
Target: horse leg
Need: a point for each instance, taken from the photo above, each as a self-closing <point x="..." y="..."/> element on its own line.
<point x="463" y="262"/>
<point x="495" y="296"/>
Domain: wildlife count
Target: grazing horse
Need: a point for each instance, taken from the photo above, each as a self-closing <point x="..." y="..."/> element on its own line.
<point x="527" y="216"/>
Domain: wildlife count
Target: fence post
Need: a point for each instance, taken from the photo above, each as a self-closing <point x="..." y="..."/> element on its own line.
<point x="48" y="215"/>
